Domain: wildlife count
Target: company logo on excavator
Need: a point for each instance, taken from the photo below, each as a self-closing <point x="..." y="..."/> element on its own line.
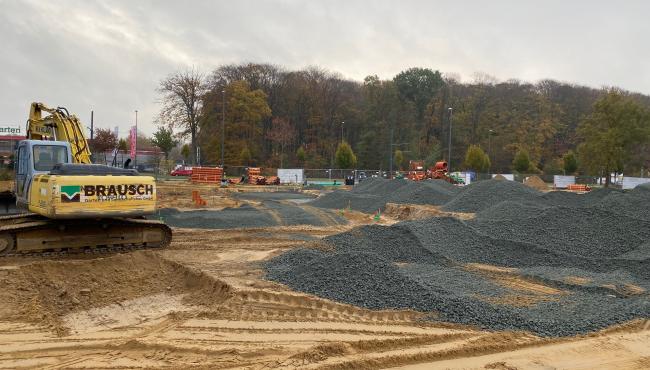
<point x="113" y="190"/>
<point x="70" y="193"/>
<point x="90" y="193"/>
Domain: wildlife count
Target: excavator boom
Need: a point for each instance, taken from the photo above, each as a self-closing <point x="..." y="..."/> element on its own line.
<point x="59" y="125"/>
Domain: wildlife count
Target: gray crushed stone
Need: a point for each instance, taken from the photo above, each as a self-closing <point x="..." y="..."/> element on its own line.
<point x="548" y="237"/>
<point x="481" y="195"/>
<point x="273" y="195"/>
<point x="269" y="213"/>
<point x="373" y="194"/>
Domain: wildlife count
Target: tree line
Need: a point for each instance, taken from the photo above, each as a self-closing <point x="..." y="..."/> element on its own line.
<point x="275" y="117"/>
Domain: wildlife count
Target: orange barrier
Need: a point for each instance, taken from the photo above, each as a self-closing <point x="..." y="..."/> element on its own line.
<point x="578" y="187"/>
<point x="206" y="175"/>
<point x="196" y="198"/>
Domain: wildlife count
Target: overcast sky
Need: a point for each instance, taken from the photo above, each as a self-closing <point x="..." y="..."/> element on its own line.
<point x="108" y="56"/>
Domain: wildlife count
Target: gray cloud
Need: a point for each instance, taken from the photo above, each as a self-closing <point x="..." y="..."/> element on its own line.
<point x="108" y="56"/>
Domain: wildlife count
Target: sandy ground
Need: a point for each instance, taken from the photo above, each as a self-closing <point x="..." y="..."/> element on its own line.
<point x="203" y="303"/>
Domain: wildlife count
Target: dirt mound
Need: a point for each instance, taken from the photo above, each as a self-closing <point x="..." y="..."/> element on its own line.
<point x="481" y="195"/>
<point x="536" y="182"/>
<point x="44" y="292"/>
<point x="499" y="177"/>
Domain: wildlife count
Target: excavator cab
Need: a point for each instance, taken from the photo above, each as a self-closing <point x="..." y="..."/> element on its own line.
<point x="34" y="157"/>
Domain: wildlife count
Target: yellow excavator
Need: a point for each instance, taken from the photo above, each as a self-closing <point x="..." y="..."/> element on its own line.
<point x="70" y="204"/>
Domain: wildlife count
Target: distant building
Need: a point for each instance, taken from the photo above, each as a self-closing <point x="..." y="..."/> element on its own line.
<point x="10" y="134"/>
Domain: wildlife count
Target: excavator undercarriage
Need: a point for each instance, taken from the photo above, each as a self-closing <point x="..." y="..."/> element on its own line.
<point x="27" y="234"/>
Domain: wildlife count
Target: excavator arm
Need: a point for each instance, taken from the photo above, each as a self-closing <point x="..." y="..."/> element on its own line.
<point x="61" y="126"/>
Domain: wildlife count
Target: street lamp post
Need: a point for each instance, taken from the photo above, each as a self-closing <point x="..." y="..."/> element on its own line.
<point x="390" y="160"/>
<point x="490" y="133"/>
<point x="451" y="111"/>
<point x="223" y="124"/>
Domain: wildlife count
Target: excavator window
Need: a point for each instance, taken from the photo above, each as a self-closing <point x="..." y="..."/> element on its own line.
<point x="46" y="156"/>
<point x="22" y="161"/>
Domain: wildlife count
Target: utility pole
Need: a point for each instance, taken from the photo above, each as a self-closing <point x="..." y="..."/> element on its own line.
<point x="135" y="158"/>
<point x="92" y="113"/>
<point x="223" y="124"/>
<point x="390" y="168"/>
<point x="342" y="123"/>
<point x="451" y="111"/>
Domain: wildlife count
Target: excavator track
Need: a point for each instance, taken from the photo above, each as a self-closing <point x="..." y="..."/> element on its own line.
<point x="34" y="235"/>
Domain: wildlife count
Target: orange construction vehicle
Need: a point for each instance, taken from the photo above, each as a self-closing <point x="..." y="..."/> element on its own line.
<point x="440" y="171"/>
<point x="416" y="171"/>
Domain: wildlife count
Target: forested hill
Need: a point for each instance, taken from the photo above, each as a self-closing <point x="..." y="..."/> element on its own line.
<point x="303" y="115"/>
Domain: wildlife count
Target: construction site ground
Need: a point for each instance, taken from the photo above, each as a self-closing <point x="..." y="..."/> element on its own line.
<point x="204" y="303"/>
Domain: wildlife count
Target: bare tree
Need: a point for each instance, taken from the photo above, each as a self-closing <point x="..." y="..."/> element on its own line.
<point x="181" y="101"/>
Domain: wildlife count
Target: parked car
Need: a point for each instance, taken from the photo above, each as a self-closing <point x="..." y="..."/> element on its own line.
<point x="182" y="171"/>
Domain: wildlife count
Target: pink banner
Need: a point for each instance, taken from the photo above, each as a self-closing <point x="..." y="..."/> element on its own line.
<point x="133" y="138"/>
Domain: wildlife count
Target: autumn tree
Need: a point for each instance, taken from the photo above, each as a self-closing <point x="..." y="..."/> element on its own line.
<point x="569" y="163"/>
<point x="345" y="157"/>
<point x="411" y="108"/>
<point x="476" y="159"/>
<point x="103" y="141"/>
<point x="301" y="155"/>
<point x="521" y="162"/>
<point x="281" y="133"/>
<point x="610" y="134"/>
<point x="122" y="145"/>
<point x="181" y="102"/>
<point x="398" y="159"/>
<point x="163" y="138"/>
<point x="245" y="112"/>
<point x="186" y="151"/>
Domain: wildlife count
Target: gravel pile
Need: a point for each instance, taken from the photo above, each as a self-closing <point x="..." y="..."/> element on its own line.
<point x="273" y="195"/>
<point x="569" y="199"/>
<point x="481" y="195"/>
<point x="269" y="213"/>
<point x="598" y="258"/>
<point x="633" y="203"/>
<point x="227" y="218"/>
<point x="510" y="210"/>
<point x="373" y="194"/>
<point x="587" y="232"/>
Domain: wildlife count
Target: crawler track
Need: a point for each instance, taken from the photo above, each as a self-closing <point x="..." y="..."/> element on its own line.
<point x="34" y="235"/>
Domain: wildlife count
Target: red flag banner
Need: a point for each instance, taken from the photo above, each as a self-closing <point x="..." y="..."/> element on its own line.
<point x="133" y="137"/>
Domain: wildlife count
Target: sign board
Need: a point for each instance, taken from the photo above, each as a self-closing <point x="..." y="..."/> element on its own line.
<point x="561" y="182"/>
<point x="508" y="176"/>
<point x="12" y="131"/>
<point x="632" y="182"/>
<point x="291" y="175"/>
<point x="133" y="138"/>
